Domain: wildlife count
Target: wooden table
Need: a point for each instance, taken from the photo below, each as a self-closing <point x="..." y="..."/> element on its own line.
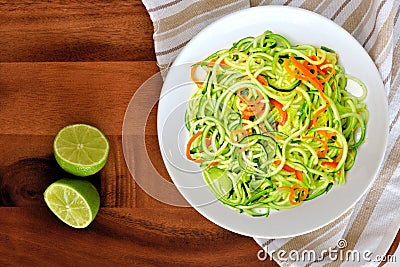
<point x="63" y="63"/>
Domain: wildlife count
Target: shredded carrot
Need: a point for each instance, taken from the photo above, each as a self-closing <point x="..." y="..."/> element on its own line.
<point x="320" y="153"/>
<point x="326" y="134"/>
<point x="292" y="195"/>
<point x="214" y="163"/>
<point x="306" y="72"/>
<point x="311" y="67"/>
<point x="294" y="191"/>
<point x="307" y="75"/>
<point x="324" y="71"/>
<point x="283" y="114"/>
<point x="299" y="175"/>
<point x="253" y="111"/>
<point x="329" y="136"/>
<point x="262" y="80"/>
<point x="247" y="113"/>
<point x="331" y="164"/>
<point x="212" y="62"/>
<point x="193" y="74"/>
<point x="285" y="166"/>
<point x="292" y="72"/>
<point x="340" y="155"/>
<point x="254" y="107"/>
<point x="317" y="83"/>
<point x="320" y="71"/>
<point x="189" y="144"/>
<point x="317" y="113"/>
<point x="327" y="78"/>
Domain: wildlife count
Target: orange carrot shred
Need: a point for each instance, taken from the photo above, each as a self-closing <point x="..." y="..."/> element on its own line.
<point x="189" y="144"/>
<point x="214" y="163"/>
<point x="283" y="114"/>
<point x="320" y="153"/>
<point x="331" y="164"/>
<point x="299" y="175"/>
<point x="262" y="80"/>
<point x="294" y="191"/>
<point x="285" y="166"/>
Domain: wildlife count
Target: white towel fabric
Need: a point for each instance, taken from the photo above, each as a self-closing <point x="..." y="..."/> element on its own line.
<point x="373" y="223"/>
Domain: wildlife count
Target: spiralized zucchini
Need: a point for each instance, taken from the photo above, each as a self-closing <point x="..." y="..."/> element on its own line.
<point x="272" y="124"/>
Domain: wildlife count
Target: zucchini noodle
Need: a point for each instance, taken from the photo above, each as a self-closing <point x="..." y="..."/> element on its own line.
<point x="272" y="124"/>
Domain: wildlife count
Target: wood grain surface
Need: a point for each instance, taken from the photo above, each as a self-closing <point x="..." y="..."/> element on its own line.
<point x="75" y="31"/>
<point x="64" y="62"/>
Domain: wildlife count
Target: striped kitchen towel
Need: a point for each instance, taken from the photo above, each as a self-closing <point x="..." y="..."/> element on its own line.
<point x="371" y="226"/>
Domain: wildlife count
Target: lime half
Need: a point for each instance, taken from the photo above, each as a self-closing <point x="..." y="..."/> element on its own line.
<point x="75" y="202"/>
<point x="81" y="149"/>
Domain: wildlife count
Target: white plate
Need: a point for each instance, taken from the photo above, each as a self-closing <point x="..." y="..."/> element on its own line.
<point x="300" y="27"/>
